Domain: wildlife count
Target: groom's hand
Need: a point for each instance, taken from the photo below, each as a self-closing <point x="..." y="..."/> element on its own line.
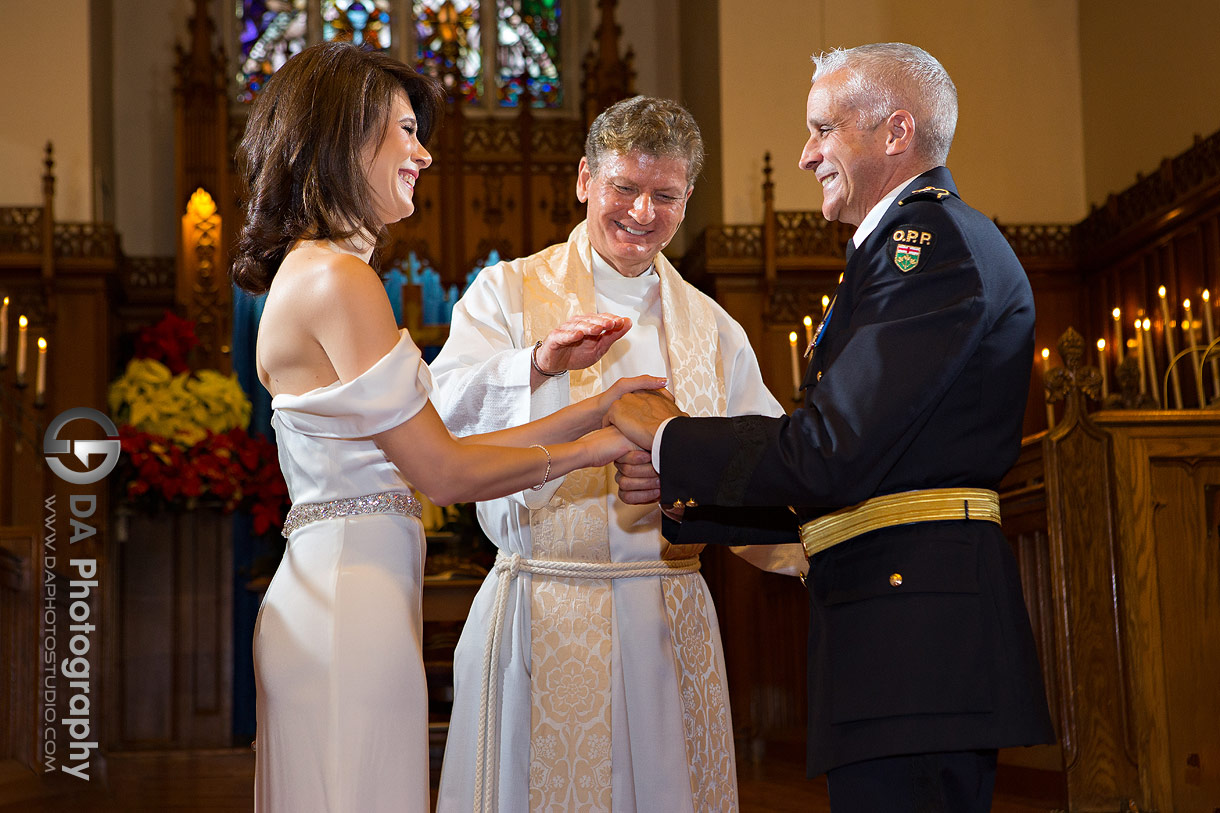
<point x="638" y="482"/>
<point x="638" y="415"/>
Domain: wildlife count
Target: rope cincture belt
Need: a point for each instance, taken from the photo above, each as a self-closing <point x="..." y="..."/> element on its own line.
<point x="506" y="568"/>
<point x="903" y="508"/>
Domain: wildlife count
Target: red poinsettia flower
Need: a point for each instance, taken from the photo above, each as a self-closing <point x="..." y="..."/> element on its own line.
<point x="169" y="341"/>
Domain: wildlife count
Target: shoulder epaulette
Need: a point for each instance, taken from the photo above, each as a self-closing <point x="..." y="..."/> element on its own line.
<point x="927" y="193"/>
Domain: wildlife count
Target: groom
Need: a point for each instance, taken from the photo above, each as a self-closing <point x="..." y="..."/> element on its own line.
<point x="921" y="657"/>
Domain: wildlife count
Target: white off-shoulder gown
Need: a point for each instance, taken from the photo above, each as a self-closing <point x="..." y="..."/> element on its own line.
<point x="342" y="701"/>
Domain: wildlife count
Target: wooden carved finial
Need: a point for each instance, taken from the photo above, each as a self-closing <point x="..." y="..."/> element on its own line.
<point x="49" y="162"/>
<point x="1127" y="394"/>
<point x="1074" y="379"/>
<point x="48" y="218"/>
<point x="201" y="66"/>
<point x="607" y="77"/>
<point x="770" y="227"/>
<point x="48" y="179"/>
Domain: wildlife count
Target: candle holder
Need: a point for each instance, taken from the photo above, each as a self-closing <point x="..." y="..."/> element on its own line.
<point x="1211" y="353"/>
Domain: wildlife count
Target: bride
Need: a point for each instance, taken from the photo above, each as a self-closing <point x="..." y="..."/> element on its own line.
<point x="331" y="154"/>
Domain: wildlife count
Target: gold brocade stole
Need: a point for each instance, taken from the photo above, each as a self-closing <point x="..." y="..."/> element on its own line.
<point x="571" y="619"/>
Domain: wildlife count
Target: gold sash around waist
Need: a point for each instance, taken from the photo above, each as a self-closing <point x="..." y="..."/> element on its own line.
<point x="903" y="508"/>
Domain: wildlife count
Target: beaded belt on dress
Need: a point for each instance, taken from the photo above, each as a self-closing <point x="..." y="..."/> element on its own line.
<point x="506" y="568"/>
<point x="385" y="502"/>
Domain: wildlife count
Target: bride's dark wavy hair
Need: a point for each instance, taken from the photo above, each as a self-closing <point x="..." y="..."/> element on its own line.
<point x="301" y="158"/>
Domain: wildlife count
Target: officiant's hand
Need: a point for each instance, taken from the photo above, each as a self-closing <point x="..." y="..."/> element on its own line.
<point x="638" y="415"/>
<point x="638" y="482"/>
<point x="577" y="343"/>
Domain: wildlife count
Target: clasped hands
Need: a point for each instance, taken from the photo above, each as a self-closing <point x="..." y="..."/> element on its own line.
<point x="580" y="342"/>
<point x="638" y="415"/>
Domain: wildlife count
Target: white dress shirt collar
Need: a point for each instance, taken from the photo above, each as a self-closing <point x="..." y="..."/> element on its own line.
<point x="602" y="268"/>
<point x="875" y="214"/>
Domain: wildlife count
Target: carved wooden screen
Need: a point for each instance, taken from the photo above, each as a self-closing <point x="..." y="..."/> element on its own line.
<point x="503" y="184"/>
<point x="1163" y="231"/>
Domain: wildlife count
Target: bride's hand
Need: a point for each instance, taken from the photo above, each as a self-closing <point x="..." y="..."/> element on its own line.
<point x="606" y="445"/>
<point x="623" y="386"/>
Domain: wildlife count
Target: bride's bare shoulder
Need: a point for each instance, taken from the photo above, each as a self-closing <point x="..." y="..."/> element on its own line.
<point x="316" y="282"/>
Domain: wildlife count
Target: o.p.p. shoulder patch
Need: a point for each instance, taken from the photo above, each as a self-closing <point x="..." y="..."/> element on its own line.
<point x="909" y="247"/>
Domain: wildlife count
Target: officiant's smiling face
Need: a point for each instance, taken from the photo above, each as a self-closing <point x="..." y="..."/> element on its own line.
<point x="636" y="204"/>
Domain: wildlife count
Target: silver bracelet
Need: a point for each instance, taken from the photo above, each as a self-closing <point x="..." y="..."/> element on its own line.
<point x="546" y="476"/>
<point x="534" y="362"/>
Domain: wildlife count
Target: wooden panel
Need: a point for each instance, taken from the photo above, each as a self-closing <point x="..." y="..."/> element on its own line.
<point x="1091" y="688"/>
<point x="556" y="209"/>
<point x="1188" y="583"/>
<point x="764" y="620"/>
<point x="1023" y="508"/>
<point x="146" y="633"/>
<point x="1168" y="463"/>
<point x="175" y="641"/>
<point x="20" y="644"/>
<point x="494" y="213"/>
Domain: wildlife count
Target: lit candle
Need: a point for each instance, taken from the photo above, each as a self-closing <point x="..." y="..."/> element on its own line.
<point x="796" y="367"/>
<point x="40" y="388"/>
<point x="1118" y="336"/>
<point x="808" y="322"/>
<point x="4" y="333"/>
<point x="1211" y="337"/>
<point x="1154" y="383"/>
<point x="1046" y="371"/>
<point x="1141" y="356"/>
<point x="22" y="326"/>
<point x="1169" y="349"/>
<point x="1192" y="342"/>
<point x="1101" y="358"/>
<point x="825" y="304"/>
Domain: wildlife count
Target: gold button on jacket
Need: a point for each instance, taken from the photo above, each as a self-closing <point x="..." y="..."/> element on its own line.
<point x="895" y="580"/>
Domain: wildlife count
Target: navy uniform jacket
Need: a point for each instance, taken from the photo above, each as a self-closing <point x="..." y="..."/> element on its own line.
<point x="919" y="380"/>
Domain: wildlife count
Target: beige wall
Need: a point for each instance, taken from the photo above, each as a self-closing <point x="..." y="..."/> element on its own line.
<point x="651" y="28"/>
<point x="1151" y="82"/>
<point x="46" y="100"/>
<point x="763" y="82"/>
<point x="1018" y="154"/>
<point x="145" y="31"/>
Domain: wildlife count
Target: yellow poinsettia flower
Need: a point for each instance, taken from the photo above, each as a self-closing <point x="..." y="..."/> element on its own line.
<point x="182" y="407"/>
<point x="223" y="403"/>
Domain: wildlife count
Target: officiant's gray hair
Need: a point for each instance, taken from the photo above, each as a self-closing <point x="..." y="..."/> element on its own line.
<point x="888" y="76"/>
<point x="648" y="125"/>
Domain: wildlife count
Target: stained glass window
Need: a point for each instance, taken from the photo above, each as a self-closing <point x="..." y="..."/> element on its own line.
<point x="444" y="38"/>
<point x="364" y="22"/>
<point x="528" y="52"/>
<point x="270" y="31"/>
<point x="447" y="36"/>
